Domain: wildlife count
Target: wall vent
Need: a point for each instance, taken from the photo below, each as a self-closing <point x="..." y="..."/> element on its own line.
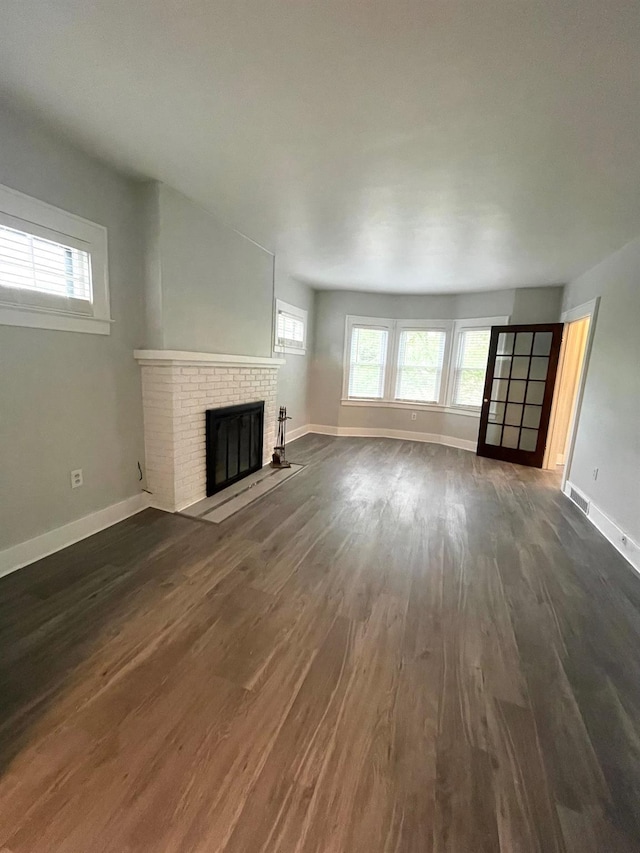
<point x="579" y="500"/>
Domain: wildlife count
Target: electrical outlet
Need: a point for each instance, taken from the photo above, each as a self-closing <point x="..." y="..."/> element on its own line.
<point x="76" y="478"/>
<point x="414" y="415"/>
<point x="595" y="473"/>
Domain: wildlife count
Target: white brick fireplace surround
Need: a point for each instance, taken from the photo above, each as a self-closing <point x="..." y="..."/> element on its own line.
<point x="177" y="389"/>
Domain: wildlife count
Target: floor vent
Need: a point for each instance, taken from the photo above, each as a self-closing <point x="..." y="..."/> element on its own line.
<point x="579" y="500"/>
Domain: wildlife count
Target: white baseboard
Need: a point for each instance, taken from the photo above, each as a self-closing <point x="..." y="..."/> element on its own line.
<point x="620" y="540"/>
<point x="402" y="434"/>
<point x="54" y="540"/>
<point x="294" y="434"/>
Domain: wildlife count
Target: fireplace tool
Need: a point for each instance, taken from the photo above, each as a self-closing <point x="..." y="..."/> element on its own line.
<point x="279" y="459"/>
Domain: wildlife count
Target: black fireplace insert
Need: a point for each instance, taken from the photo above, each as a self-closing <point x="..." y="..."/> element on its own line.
<point x="234" y="444"/>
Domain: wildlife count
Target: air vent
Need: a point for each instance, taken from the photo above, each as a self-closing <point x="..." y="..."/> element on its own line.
<point x="579" y="500"/>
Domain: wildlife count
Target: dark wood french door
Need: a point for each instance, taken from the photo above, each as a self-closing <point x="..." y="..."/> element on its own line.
<point x="518" y="392"/>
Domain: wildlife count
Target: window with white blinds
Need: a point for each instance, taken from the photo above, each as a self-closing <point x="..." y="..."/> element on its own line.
<point x="420" y="362"/>
<point x="367" y="362"/>
<point x="290" y="328"/>
<point x="53" y="267"/>
<point x="32" y="263"/>
<point x="470" y="367"/>
<point x="407" y="363"/>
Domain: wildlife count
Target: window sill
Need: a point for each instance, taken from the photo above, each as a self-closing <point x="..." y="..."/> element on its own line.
<point x="39" y="318"/>
<point x="291" y="350"/>
<point x="415" y="407"/>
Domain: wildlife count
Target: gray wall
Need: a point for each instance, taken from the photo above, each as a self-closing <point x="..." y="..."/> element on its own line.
<point x="535" y="305"/>
<point x="70" y="400"/>
<point x="608" y="436"/>
<point x="208" y="288"/>
<point x="293" y="377"/>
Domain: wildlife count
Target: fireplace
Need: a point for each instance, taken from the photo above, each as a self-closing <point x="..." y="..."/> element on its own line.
<point x="234" y="436"/>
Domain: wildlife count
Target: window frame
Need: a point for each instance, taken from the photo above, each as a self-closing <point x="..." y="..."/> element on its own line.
<point x="453" y="330"/>
<point x="420" y="326"/>
<point x="300" y="314"/>
<point x="367" y="323"/>
<point x="459" y="327"/>
<point x="38" y="309"/>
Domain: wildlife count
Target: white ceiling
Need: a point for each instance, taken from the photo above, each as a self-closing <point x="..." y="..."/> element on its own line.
<point x="405" y="145"/>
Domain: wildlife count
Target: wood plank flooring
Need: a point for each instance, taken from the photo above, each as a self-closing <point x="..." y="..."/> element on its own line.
<point x="403" y="649"/>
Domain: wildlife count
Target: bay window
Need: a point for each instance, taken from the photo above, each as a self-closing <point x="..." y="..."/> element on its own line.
<point x="417" y="363"/>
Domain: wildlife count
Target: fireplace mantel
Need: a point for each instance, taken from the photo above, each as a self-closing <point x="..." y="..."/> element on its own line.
<point x="184" y="358"/>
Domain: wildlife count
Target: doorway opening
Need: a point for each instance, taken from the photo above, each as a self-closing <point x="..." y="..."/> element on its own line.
<point x="565" y="412"/>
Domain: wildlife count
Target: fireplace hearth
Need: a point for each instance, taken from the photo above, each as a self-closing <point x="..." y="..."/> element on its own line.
<point x="234" y="444"/>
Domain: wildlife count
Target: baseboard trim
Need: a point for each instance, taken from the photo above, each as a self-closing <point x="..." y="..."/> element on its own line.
<point x="294" y="434"/>
<point x="620" y="540"/>
<point x="400" y="434"/>
<point x="25" y="553"/>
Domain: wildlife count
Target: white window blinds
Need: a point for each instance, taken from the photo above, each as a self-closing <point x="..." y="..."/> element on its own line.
<point x="420" y="360"/>
<point x="290" y="330"/>
<point x="29" y="263"/>
<point x="367" y="362"/>
<point x="471" y="366"/>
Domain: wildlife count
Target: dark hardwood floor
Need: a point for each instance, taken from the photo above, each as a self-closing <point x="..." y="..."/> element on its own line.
<point x="403" y="648"/>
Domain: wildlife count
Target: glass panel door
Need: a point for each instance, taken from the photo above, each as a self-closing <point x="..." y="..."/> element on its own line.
<point x="521" y="374"/>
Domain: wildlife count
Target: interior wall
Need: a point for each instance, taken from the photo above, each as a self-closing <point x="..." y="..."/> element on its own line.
<point x="536" y="305"/>
<point x="70" y="400"/>
<point x="208" y="288"/>
<point x="293" y="377"/>
<point x="608" y="432"/>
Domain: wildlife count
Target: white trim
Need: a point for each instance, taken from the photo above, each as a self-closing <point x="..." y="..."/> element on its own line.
<point x="295" y="434"/>
<point x="47" y="543"/>
<point x="184" y="358"/>
<point x="40" y="318"/>
<point x="400" y="434"/>
<point x="415" y="406"/>
<point x="580" y="312"/>
<point x="620" y="540"/>
<point x="290" y="350"/>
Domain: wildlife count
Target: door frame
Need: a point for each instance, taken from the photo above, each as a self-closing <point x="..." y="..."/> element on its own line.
<point x="580" y="312"/>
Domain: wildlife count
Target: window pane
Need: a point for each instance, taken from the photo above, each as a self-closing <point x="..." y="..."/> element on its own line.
<point x="290" y="330"/>
<point x="532" y="416"/>
<point x="496" y="412"/>
<point x="524" y="341"/>
<point x="367" y="362"/>
<point x="516" y="391"/>
<point x="510" y="436"/>
<point x="539" y="368"/>
<point x="535" y="392"/>
<point x="471" y="367"/>
<point x="520" y="368"/>
<point x="420" y="357"/>
<point x="505" y="343"/>
<point x="502" y="368"/>
<point x="542" y="343"/>
<point x="33" y="263"/>
<point x="529" y="439"/>
<point x="499" y="389"/>
<point x="494" y="434"/>
<point x="514" y="414"/>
